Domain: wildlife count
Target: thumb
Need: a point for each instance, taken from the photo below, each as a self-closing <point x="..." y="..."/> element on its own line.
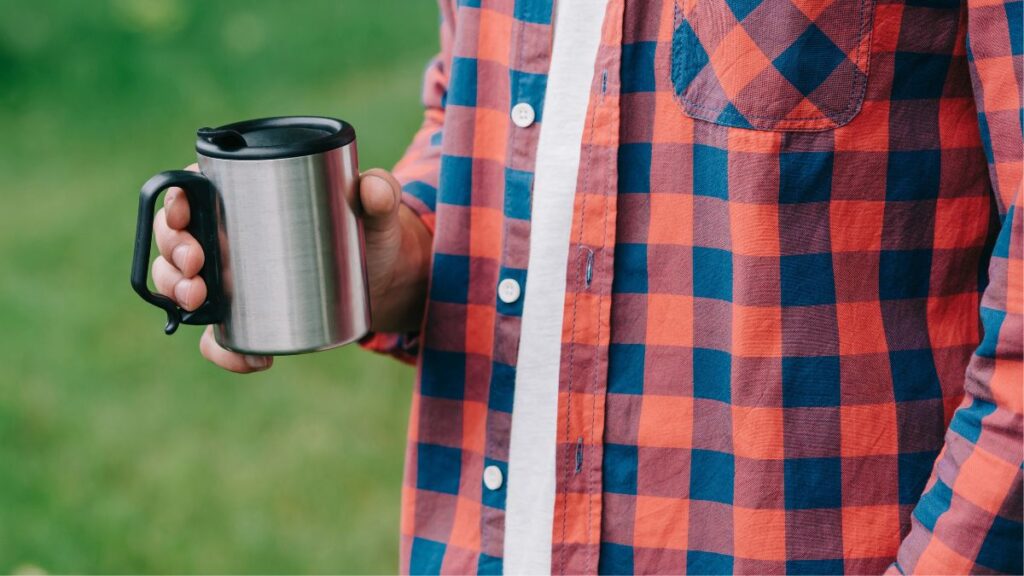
<point x="379" y="193"/>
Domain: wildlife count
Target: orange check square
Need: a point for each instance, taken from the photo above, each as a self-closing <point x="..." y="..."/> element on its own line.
<point x="887" y="26"/>
<point x="871" y="531"/>
<point x="757" y="331"/>
<point x="953" y="320"/>
<point x="811" y="8"/>
<point x="757" y="432"/>
<point x="868" y="430"/>
<point x="671" y="126"/>
<point x="582" y="417"/>
<point x="856" y="226"/>
<point x="985" y="480"/>
<point x="1001" y="92"/>
<point x="414" y="418"/>
<point x="1009" y="176"/>
<point x="578" y="528"/>
<point x="961" y="222"/>
<point x="602" y="128"/>
<point x="1005" y="385"/>
<point x="490" y="134"/>
<point x="756" y="141"/>
<point x="1015" y="286"/>
<point x="671" y="220"/>
<point x="860" y="328"/>
<point x="474" y="426"/>
<point x="479" y="329"/>
<point x="868" y="131"/>
<point x="466" y="526"/>
<point x="802" y="110"/>
<point x="759" y="534"/>
<point x="938" y="558"/>
<point x="666" y="422"/>
<point x="755" y="229"/>
<point x="661" y="523"/>
<point x="858" y="54"/>
<point x="737" y="61"/>
<point x="595" y="208"/>
<point x="485" y="232"/>
<point x="958" y="124"/>
<point x="495" y="33"/>
<point x="586" y="328"/>
<point x="670" y="320"/>
<point x="408" y="518"/>
<point x="666" y="23"/>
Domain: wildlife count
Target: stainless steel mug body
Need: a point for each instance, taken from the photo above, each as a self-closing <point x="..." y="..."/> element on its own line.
<point x="291" y="252"/>
<point x="290" y="272"/>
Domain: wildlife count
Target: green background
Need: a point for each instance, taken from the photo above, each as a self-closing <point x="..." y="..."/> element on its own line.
<point x="121" y="449"/>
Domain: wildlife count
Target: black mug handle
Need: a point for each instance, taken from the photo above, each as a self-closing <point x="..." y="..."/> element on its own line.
<point x="202" y="201"/>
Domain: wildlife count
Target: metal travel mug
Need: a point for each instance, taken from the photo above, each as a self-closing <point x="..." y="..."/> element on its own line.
<point x="275" y="210"/>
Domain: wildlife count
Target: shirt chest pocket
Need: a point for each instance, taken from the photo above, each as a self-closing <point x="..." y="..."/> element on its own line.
<point x="781" y="65"/>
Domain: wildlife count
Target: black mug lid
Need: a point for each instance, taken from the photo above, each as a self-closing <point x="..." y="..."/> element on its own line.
<point x="273" y="138"/>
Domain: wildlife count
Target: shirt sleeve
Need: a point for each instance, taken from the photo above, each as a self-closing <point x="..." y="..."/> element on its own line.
<point x="418" y="170"/>
<point x="968" y="519"/>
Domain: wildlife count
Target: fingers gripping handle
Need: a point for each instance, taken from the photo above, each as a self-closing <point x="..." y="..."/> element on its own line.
<point x="202" y="201"/>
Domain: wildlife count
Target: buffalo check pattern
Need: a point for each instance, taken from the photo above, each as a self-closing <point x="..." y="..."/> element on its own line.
<point x="789" y="218"/>
<point x="773" y="65"/>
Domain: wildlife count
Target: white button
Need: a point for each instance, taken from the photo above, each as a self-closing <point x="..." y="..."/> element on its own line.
<point x="523" y="114"/>
<point x="509" y="290"/>
<point x="492" y="477"/>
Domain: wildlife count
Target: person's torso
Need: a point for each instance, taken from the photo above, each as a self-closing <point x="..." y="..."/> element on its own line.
<point x="780" y="228"/>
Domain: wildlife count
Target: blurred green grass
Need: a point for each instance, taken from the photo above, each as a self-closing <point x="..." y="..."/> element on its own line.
<point x="122" y="450"/>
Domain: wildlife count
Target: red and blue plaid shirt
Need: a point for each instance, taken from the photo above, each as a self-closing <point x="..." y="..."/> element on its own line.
<point x="788" y="216"/>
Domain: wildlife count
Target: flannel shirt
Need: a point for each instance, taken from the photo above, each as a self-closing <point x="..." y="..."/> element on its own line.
<point x="788" y="217"/>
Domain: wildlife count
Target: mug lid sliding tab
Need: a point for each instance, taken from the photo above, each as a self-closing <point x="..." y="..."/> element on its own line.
<point x="274" y="138"/>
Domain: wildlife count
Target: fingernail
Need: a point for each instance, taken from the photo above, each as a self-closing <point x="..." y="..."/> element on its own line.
<point x="180" y="255"/>
<point x="181" y="291"/>
<point x="256" y="362"/>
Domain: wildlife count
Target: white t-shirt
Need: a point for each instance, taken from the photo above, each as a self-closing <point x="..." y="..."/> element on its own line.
<point x="530" y="501"/>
